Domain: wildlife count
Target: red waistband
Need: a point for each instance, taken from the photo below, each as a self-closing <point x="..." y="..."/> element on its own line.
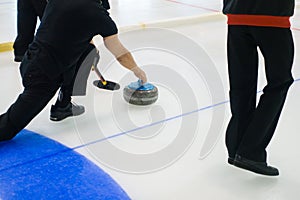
<point x="259" y="20"/>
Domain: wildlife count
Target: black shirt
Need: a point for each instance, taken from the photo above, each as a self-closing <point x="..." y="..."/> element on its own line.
<point x="259" y="7"/>
<point x="105" y="4"/>
<point x="65" y="31"/>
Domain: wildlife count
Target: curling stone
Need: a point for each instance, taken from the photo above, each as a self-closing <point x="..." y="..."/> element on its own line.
<point x="137" y="93"/>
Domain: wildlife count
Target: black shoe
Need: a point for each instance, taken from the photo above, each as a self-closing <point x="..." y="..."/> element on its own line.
<point x="58" y="113"/>
<point x="256" y="167"/>
<point x="18" y="58"/>
<point x="230" y="160"/>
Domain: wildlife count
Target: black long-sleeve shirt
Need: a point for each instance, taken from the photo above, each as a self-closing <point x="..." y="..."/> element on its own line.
<point x="66" y="30"/>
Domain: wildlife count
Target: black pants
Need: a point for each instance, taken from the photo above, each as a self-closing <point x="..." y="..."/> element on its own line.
<point x="252" y="125"/>
<point x="75" y="79"/>
<point x="39" y="90"/>
<point x="28" y="12"/>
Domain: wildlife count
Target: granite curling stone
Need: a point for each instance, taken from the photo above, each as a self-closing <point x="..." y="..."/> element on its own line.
<point x="137" y="93"/>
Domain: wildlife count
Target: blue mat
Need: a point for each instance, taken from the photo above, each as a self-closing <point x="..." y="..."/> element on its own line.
<point x="35" y="167"/>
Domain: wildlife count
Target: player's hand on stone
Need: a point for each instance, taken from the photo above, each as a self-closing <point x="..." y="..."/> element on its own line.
<point x="140" y="74"/>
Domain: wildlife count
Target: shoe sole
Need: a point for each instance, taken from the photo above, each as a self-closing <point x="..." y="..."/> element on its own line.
<point x="59" y="119"/>
<point x="252" y="169"/>
<point x="230" y="161"/>
<point x="56" y="119"/>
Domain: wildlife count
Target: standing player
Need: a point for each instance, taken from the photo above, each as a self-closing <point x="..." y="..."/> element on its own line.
<point x="265" y="25"/>
<point x="28" y="12"/>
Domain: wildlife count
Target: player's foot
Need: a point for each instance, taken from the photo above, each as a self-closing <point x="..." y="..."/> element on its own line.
<point x="60" y="113"/>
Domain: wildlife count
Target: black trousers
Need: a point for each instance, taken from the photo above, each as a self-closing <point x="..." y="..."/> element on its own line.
<point x="28" y="12"/>
<point x="252" y="125"/>
<point x="39" y="89"/>
<point x="75" y="79"/>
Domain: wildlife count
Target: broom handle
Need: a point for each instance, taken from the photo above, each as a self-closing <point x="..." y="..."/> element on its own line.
<point x="98" y="73"/>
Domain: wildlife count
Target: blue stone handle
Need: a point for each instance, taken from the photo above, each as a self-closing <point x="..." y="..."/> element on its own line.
<point x="141" y="87"/>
